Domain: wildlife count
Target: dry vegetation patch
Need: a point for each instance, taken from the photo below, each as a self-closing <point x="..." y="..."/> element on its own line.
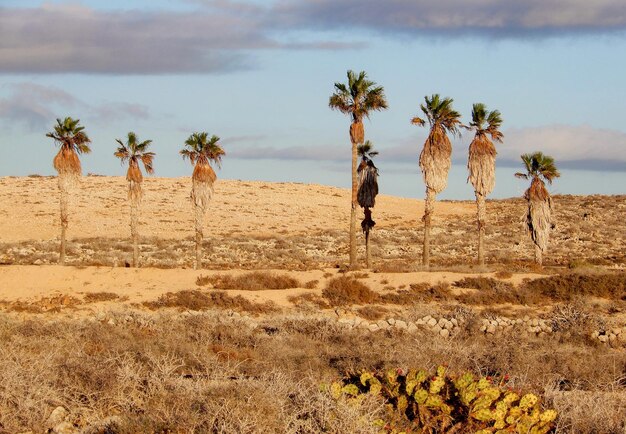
<point x="200" y="374"/>
<point x="254" y="281"/>
<point x="199" y="300"/>
<point x="346" y="290"/>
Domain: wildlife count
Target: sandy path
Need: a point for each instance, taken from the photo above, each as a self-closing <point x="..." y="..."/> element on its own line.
<point x="99" y="208"/>
<point x="30" y="283"/>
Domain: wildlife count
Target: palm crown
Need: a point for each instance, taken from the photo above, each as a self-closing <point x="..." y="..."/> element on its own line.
<point x="439" y="114"/>
<point x="133" y="151"/>
<point x="486" y="122"/>
<point x="366" y="150"/>
<point x="70" y="136"/>
<point x="202" y="149"/>
<point x="537" y="166"/>
<point x="358" y="97"/>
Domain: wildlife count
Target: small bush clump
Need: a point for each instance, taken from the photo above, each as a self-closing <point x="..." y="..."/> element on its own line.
<point x="254" y="281"/>
<point x="346" y="290"/>
<point x="198" y="300"/>
<point x="566" y="287"/>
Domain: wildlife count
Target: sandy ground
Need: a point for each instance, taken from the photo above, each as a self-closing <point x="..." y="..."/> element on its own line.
<point x="99" y="208"/>
<point x="30" y="283"/>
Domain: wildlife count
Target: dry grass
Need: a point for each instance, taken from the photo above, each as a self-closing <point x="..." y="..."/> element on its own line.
<point x="199" y="374"/>
<point x="254" y="281"/>
<point x="566" y="287"/>
<point x="199" y="300"/>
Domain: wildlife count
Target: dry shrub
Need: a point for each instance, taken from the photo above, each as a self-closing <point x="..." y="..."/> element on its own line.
<point x="373" y="312"/>
<point x="567" y="287"/>
<point x="198" y="300"/>
<point x="311" y="284"/>
<point x="46" y="304"/>
<point x="346" y="290"/>
<point x="502" y="274"/>
<point x="308" y="299"/>
<point x="254" y="281"/>
<point x="198" y="374"/>
<point x="95" y="297"/>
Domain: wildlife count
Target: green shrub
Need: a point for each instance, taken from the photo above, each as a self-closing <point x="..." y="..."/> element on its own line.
<point x="419" y="402"/>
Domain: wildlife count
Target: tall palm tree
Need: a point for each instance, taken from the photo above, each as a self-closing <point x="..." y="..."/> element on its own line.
<point x="72" y="141"/>
<point x="538" y="219"/>
<point x="367" y="191"/>
<point x="356" y="99"/>
<point x="202" y="151"/>
<point x="435" y="156"/>
<point x="482" y="163"/>
<point x="135" y="151"/>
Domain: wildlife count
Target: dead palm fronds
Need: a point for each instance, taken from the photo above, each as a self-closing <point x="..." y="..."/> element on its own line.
<point x="134" y="152"/>
<point x="367" y="191"/>
<point x="202" y="151"/>
<point x="435" y="156"/>
<point x="357" y="99"/>
<point x="538" y="217"/>
<point x="482" y="163"/>
<point x="73" y="141"/>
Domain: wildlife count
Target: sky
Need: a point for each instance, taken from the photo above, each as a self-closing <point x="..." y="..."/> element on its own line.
<point x="259" y="74"/>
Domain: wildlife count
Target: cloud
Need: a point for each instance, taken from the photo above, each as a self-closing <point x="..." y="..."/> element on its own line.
<point x="576" y="147"/>
<point x="573" y="147"/>
<point x="60" y="38"/>
<point x="491" y="18"/>
<point x="35" y="107"/>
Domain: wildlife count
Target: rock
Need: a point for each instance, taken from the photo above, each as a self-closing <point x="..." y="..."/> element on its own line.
<point x="442" y="322"/>
<point x="431" y="322"/>
<point x="57" y="416"/>
<point x="38" y="262"/>
<point x="111" y="322"/>
<point x="448" y="325"/>
<point x="603" y="338"/>
<point x="427" y="318"/>
<point x="412" y="328"/>
<point x="391" y="321"/>
<point x="401" y="324"/>
<point x="65" y="428"/>
<point x="483" y="328"/>
<point x="491" y="329"/>
<point x="364" y="324"/>
<point x="384" y="325"/>
<point x="534" y="322"/>
<point x="437" y="329"/>
<point x="454" y="322"/>
<point x="595" y="334"/>
<point x="420" y="322"/>
<point x="373" y="327"/>
<point x="444" y="333"/>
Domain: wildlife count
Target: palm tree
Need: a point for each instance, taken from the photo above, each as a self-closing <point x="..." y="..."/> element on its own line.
<point x="133" y="152"/>
<point x="357" y="99"/>
<point x="435" y="157"/>
<point x="367" y="191"/>
<point x="202" y="151"/>
<point x="73" y="141"/>
<point x="538" y="219"/>
<point x="482" y="163"/>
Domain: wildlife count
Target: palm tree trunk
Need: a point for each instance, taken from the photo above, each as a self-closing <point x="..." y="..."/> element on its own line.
<point x="354" y="208"/>
<point x="538" y="255"/>
<point x="64" y="199"/>
<point x="367" y="249"/>
<point x="429" y="207"/>
<point x="134" y="230"/>
<point x="198" y="214"/>
<point x="481" y="212"/>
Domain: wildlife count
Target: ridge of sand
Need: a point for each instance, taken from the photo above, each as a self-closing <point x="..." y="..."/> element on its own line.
<point x="29" y="208"/>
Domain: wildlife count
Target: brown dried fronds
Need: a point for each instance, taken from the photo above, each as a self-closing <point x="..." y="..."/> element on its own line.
<point x="67" y="162"/>
<point x="357" y="133"/>
<point x="203" y="172"/>
<point x="435" y="159"/>
<point x="482" y="164"/>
